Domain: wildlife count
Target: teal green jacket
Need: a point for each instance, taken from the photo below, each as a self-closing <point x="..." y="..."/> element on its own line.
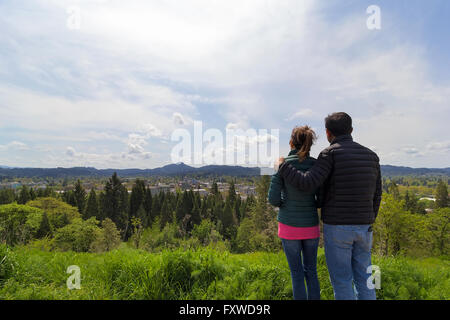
<point x="297" y="208"/>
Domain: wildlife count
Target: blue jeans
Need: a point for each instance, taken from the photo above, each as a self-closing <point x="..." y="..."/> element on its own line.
<point x="302" y="269"/>
<point x="347" y="252"/>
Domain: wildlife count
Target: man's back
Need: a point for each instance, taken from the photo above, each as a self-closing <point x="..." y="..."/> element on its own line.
<point x="350" y="174"/>
<point x="351" y="187"/>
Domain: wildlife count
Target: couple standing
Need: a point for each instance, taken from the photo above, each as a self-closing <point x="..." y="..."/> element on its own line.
<point x="345" y="182"/>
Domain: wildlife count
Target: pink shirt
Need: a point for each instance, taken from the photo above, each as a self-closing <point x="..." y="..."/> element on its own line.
<point x="297" y="233"/>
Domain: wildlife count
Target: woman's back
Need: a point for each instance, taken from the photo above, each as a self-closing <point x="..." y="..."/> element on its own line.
<point x="297" y="208"/>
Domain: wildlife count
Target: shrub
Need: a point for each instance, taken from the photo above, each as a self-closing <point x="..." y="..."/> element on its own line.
<point x="44" y="244"/>
<point x="77" y="236"/>
<point x="206" y="233"/>
<point x="18" y="223"/>
<point x="7" y="263"/>
<point x="59" y="213"/>
<point x="108" y="237"/>
<point x="155" y="240"/>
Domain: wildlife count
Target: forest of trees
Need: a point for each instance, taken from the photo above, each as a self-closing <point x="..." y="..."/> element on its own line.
<point x="149" y="221"/>
<point x="82" y="220"/>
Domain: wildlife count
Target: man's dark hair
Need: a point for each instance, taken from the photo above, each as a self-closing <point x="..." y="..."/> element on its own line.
<point x="339" y="123"/>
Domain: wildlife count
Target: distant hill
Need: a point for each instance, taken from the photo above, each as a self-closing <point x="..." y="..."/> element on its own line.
<point x="182" y="169"/>
<point x="389" y="171"/>
<point x="179" y="169"/>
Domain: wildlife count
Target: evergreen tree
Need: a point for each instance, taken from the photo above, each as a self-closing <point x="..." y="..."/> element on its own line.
<point x="441" y="195"/>
<point x="44" y="227"/>
<point x="142" y="216"/>
<point x="148" y="203"/>
<point x="156" y="207"/>
<point x="80" y="196"/>
<point x="179" y="210"/>
<point x="237" y="209"/>
<point x="215" y="189"/>
<point x="228" y="220"/>
<point x="69" y="198"/>
<point x="137" y="197"/>
<point x="216" y="212"/>
<point x="242" y="211"/>
<point x="32" y="194"/>
<point x="196" y="199"/>
<point x="166" y="214"/>
<point x="49" y="192"/>
<point x="188" y="202"/>
<point x="250" y="201"/>
<point x="115" y="204"/>
<point x="124" y="207"/>
<point x="410" y="202"/>
<point x="184" y="205"/>
<point x="196" y="215"/>
<point x="393" y="189"/>
<point x="24" y="195"/>
<point x="204" y="209"/>
<point x="261" y="212"/>
<point x="232" y="193"/>
<point x="92" y="209"/>
<point x="7" y="196"/>
<point x="64" y="220"/>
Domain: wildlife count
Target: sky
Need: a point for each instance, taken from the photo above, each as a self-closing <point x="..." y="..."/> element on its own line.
<point x="105" y="83"/>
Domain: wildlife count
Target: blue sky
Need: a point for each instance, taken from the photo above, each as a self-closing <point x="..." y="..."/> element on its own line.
<point x="111" y="93"/>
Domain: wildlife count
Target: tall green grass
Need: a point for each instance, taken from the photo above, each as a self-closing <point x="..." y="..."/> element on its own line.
<point x="206" y="273"/>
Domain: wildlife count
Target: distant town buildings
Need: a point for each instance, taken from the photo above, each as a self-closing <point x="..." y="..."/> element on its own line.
<point x="428" y="198"/>
<point x="160" y="188"/>
<point x="10" y="185"/>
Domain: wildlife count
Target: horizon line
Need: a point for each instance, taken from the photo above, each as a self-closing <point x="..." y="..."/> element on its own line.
<point x="181" y="163"/>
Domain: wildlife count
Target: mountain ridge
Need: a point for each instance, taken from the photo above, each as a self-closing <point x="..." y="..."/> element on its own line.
<point x="183" y="169"/>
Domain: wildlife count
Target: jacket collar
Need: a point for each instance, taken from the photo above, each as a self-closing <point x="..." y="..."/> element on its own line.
<point x="293" y="152"/>
<point x="345" y="137"/>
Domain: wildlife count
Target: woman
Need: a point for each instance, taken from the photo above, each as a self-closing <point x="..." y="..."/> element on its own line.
<point x="298" y="221"/>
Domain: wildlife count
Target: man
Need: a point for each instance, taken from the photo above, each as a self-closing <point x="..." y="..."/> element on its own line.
<point x="349" y="174"/>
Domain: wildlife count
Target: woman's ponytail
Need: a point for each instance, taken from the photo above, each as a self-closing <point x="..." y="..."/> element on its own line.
<point x="302" y="139"/>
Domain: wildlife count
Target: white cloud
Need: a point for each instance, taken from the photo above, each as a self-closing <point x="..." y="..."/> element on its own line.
<point x="410" y="150"/>
<point x="232" y="126"/>
<point x="304" y="113"/>
<point x="136" y="146"/>
<point x="443" y="146"/>
<point x="181" y="120"/>
<point x="14" y="145"/>
<point x="71" y="152"/>
<point x="150" y="130"/>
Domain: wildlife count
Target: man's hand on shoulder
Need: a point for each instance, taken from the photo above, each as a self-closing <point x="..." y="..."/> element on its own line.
<point x="278" y="163"/>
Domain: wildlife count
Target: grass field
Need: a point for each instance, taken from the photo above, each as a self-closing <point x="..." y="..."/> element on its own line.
<point x="127" y="273"/>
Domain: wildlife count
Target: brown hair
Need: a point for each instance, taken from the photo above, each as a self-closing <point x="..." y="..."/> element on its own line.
<point x="302" y="138"/>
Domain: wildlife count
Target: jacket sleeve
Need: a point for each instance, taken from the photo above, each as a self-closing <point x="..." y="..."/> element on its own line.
<point x="320" y="197"/>
<point x="312" y="179"/>
<point x="378" y="192"/>
<point x="276" y="184"/>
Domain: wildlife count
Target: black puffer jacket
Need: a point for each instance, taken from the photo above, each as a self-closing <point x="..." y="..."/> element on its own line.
<point x="350" y="176"/>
